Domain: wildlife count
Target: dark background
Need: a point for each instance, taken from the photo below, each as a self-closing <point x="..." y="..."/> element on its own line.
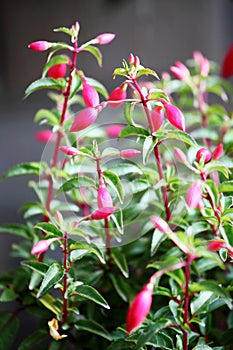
<point x="158" y="31"/>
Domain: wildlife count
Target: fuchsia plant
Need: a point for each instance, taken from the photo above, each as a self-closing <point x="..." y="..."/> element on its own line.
<point x="129" y="242"/>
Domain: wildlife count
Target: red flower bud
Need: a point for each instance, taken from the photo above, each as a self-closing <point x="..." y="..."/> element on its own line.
<point x="203" y="153"/>
<point x="194" y="195"/>
<point x="57" y="71"/>
<point x="70" y="151"/>
<point x="102" y="213"/>
<point x="139" y="307"/>
<point x="157" y="118"/>
<point x="215" y="246"/>
<point x="131" y="58"/>
<point x="180" y="156"/>
<point x="129" y="153"/>
<point x="175" y="116"/>
<point x="227" y="64"/>
<point x="104" y="198"/>
<point x="45" y="136"/>
<point x="105" y="38"/>
<point x="180" y="71"/>
<point x="114" y="130"/>
<point x="217" y="152"/>
<point x="90" y="95"/>
<point x="118" y="94"/>
<point x="40" y="45"/>
<point x="160" y="224"/>
<point x="84" y="119"/>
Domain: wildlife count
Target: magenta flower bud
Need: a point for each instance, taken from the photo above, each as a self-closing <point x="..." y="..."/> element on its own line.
<point x="136" y="61"/>
<point x="84" y="119"/>
<point x="204" y="67"/>
<point x="102" y="213"/>
<point x="90" y="95"/>
<point x="157" y="118"/>
<point x="139" y="307"/>
<point x="118" y="94"/>
<point x="45" y="136"/>
<point x="105" y="38"/>
<point x="217" y="152"/>
<point x="215" y="246"/>
<point x="194" y="195"/>
<point x="180" y="71"/>
<point x="70" y="151"/>
<point x="131" y="58"/>
<point x="57" y="71"/>
<point x="203" y="153"/>
<point x="227" y="64"/>
<point x="129" y="153"/>
<point x="180" y="156"/>
<point x="175" y="116"/>
<point x="104" y="198"/>
<point x="160" y="224"/>
<point x="42" y="246"/>
<point x="40" y="45"/>
<point x="114" y="130"/>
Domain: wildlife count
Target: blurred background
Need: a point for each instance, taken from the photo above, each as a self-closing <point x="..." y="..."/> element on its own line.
<point x="158" y="31"/>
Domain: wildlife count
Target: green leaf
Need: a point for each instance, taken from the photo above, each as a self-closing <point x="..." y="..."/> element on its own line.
<point x="76" y="83"/>
<point x="91" y="248"/>
<point x="9" y="325"/>
<point x="77" y="182"/>
<point x="52" y="276"/>
<point x="215" y="166"/>
<point x="114" y="181"/>
<point x="120" y="261"/>
<point x="8" y="295"/>
<point x="128" y="113"/>
<point x="95" y="52"/>
<point x="45" y="83"/>
<point x="52" y="62"/>
<point x="49" y="229"/>
<point x="92" y="294"/>
<point x="131" y="130"/>
<point x="119" y="71"/>
<point x="32" y="168"/>
<point x="211" y="286"/>
<point x="33" y="339"/>
<point x="148" y="147"/>
<point x="121" y="287"/>
<point x="15" y="229"/>
<point x="226" y="186"/>
<point x="64" y="30"/>
<point x="182" y="136"/>
<point x="50" y="303"/>
<point x="157" y="238"/>
<point x="92" y="327"/>
<point x="202" y="299"/>
<point x="50" y="117"/>
<point x="121" y="169"/>
<point x="117" y="218"/>
<point x="36" y="266"/>
<point x="147" y="71"/>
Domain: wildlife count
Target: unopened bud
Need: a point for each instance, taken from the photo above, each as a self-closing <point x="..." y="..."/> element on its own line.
<point x="160" y="224"/>
<point x="217" y="152"/>
<point x="118" y="94"/>
<point x="90" y="95"/>
<point x="180" y="156"/>
<point x="175" y="116"/>
<point x="136" y="61"/>
<point x="203" y="154"/>
<point x="70" y="151"/>
<point x="84" y="119"/>
<point x="215" y="246"/>
<point x="40" y="45"/>
<point x="114" y="130"/>
<point x="157" y="118"/>
<point x="194" y="195"/>
<point x="45" y="136"/>
<point x="57" y="71"/>
<point x="131" y="58"/>
<point x="104" y="198"/>
<point x="105" y="38"/>
<point x="102" y="213"/>
<point x="129" y="153"/>
<point x="180" y="71"/>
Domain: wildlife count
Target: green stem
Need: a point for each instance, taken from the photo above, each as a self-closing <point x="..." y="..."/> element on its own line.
<point x="65" y="284"/>
<point x="186" y="302"/>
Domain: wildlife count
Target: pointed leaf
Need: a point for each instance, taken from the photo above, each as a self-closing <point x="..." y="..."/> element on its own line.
<point x="32" y="168"/>
<point x="18" y="230"/>
<point x="91" y="293"/>
<point x="45" y="83"/>
<point x="115" y="183"/>
<point x="49" y="117"/>
<point x="148" y="147"/>
<point x="120" y="261"/>
<point x="77" y="182"/>
<point x="131" y="130"/>
<point x="33" y="339"/>
<point x="52" y="276"/>
<point x="8" y="329"/>
<point x="92" y="248"/>
<point x="92" y="327"/>
<point x="49" y="229"/>
<point x="95" y="52"/>
<point x="36" y="266"/>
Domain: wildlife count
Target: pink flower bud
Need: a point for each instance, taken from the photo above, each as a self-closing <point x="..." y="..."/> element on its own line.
<point x="45" y="136"/>
<point x="227" y="64"/>
<point x="194" y="195"/>
<point x="102" y="213"/>
<point x="203" y="154"/>
<point x="136" y="61"/>
<point x="204" y="67"/>
<point x="180" y="71"/>
<point x="160" y="224"/>
<point x="105" y="38"/>
<point x="215" y="246"/>
<point x="114" y="130"/>
<point x="139" y="307"/>
<point x="175" y="116"/>
<point x="118" y="94"/>
<point x="90" y="95"/>
<point x="217" y="152"/>
<point x="131" y="58"/>
<point x="57" y="71"/>
<point x="104" y="198"/>
<point x="70" y="151"/>
<point x="180" y="156"/>
<point x="41" y="246"/>
<point x="40" y="45"/>
<point x="157" y="118"/>
<point x="84" y="119"/>
<point x="129" y="153"/>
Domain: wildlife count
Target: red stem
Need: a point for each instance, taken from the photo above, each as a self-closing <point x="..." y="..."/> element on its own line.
<point x="186" y="302"/>
<point x="64" y="296"/>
